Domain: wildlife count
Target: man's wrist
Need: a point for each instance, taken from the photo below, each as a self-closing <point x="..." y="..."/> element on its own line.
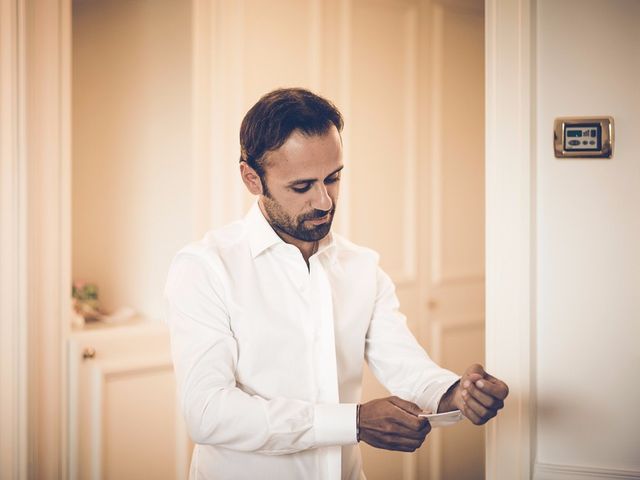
<point x="446" y="403"/>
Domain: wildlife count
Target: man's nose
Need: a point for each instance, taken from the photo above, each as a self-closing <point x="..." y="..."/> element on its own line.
<point x="321" y="199"/>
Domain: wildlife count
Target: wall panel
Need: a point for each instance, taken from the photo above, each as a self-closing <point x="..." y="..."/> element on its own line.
<point x="383" y="139"/>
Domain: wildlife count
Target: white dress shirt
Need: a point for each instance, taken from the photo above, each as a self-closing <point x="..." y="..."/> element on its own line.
<point x="269" y="353"/>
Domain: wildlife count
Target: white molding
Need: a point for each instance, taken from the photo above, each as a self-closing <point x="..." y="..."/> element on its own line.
<point x="97" y="388"/>
<point x="47" y="67"/>
<point x="344" y="98"/>
<point x="406" y="273"/>
<point x="438" y="328"/>
<point x="410" y="247"/>
<point x="438" y="277"/>
<point x="510" y="248"/>
<point x="133" y="366"/>
<point x="315" y="45"/>
<point x="435" y="136"/>
<point x="73" y="366"/>
<point x="410" y="466"/>
<point x="547" y="471"/>
<point x="65" y="234"/>
<point x="218" y="76"/>
<point x="36" y="218"/>
<point x="202" y="21"/>
<point x="13" y="217"/>
<point x="44" y="251"/>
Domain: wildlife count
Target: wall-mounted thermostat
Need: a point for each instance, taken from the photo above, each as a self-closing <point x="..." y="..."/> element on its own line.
<point x="583" y="137"/>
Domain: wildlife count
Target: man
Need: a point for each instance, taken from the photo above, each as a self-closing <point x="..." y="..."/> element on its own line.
<point x="272" y="317"/>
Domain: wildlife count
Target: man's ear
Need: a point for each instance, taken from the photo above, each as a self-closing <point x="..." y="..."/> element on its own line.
<point x="251" y="179"/>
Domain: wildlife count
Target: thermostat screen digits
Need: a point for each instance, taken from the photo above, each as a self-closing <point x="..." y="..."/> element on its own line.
<point x="582" y="137"/>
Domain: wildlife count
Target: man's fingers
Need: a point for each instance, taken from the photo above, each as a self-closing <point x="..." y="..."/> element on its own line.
<point x="392" y="415"/>
<point x="494" y="387"/>
<point x="486" y="382"/>
<point x="485" y="399"/>
<point x="393" y="424"/>
<point x="394" y="442"/>
<point x="408" y="414"/>
<point x="406" y="405"/>
<point x="481" y="411"/>
<point x="470" y="413"/>
<point x="481" y="394"/>
<point x="409" y="421"/>
<point x="415" y="434"/>
<point x="474" y="377"/>
<point x="395" y="429"/>
<point x="476" y="368"/>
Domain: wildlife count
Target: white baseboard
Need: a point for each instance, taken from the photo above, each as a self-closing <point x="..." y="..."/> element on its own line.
<point x="547" y="471"/>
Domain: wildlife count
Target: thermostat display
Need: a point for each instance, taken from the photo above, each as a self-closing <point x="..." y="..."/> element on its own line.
<point x="587" y="137"/>
<point x="583" y="137"/>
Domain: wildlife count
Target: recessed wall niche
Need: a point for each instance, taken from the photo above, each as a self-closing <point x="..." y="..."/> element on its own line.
<point x="131" y="148"/>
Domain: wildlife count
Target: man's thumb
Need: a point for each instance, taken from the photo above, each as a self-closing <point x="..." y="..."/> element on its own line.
<point x="476" y="368"/>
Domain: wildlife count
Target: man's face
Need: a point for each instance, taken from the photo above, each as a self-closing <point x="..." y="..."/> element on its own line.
<point x="301" y="185"/>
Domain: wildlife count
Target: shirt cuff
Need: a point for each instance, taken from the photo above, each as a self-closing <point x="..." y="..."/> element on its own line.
<point x="430" y="398"/>
<point x="335" y="424"/>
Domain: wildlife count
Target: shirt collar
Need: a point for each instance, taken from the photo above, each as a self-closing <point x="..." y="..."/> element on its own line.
<point x="262" y="236"/>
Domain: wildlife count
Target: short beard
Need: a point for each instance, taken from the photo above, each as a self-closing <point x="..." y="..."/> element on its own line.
<point x="294" y="227"/>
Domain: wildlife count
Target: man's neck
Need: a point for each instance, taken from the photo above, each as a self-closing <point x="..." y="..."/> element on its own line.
<point x="307" y="249"/>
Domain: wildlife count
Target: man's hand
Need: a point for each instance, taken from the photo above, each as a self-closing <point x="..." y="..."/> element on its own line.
<point x="393" y="424"/>
<point x="478" y="395"/>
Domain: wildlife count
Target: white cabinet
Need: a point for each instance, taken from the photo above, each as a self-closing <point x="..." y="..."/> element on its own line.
<point x="124" y="418"/>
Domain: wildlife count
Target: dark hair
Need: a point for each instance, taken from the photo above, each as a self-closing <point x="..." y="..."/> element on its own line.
<point x="270" y="122"/>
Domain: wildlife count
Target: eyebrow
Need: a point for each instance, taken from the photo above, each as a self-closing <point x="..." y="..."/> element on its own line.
<point x="312" y="180"/>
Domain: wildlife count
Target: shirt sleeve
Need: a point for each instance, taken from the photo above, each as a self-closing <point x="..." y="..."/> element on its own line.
<point x="397" y="359"/>
<point x="205" y="355"/>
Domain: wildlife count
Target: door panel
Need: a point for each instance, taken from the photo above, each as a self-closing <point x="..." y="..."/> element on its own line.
<point x="382" y="133"/>
<point x="408" y="77"/>
<point x="136" y="401"/>
<point x="125" y="423"/>
<point x="455" y="284"/>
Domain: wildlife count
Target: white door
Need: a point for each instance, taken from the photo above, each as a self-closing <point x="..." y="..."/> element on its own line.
<point x="408" y="78"/>
<point x="455" y="277"/>
<point x="416" y="163"/>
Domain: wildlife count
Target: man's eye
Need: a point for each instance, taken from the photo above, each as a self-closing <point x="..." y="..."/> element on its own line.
<point x="332" y="179"/>
<point x="301" y="189"/>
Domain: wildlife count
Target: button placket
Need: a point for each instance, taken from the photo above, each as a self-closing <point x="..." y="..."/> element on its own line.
<point x="324" y="341"/>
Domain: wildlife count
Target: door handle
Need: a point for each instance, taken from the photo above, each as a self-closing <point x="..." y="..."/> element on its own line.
<point x="88" y="353"/>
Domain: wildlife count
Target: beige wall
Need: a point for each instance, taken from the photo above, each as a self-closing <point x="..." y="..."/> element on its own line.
<point x="588" y="232"/>
<point x="132" y="173"/>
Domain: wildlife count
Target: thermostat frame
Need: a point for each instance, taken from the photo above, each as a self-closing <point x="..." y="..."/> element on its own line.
<point x="603" y="139"/>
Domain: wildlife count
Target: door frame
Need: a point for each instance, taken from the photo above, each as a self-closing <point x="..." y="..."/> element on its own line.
<point x="35" y="267"/>
<point x="13" y="216"/>
<point x="510" y="232"/>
